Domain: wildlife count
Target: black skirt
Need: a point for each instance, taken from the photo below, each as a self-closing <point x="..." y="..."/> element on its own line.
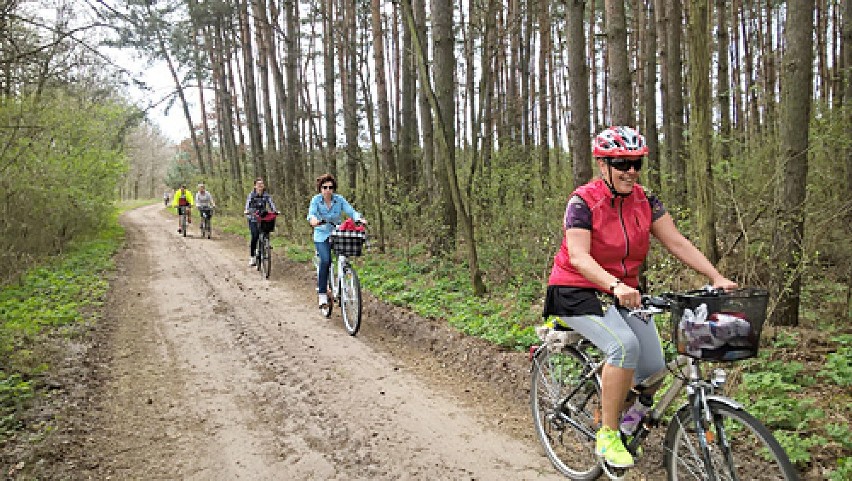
<point x="562" y="301"/>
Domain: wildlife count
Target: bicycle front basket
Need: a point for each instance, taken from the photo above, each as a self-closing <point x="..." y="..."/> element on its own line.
<point x="266" y="222"/>
<point x="348" y="242"/>
<point x="719" y="327"/>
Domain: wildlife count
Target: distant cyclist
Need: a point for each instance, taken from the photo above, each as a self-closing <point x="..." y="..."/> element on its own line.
<point x="327" y="207"/>
<point x="204" y="200"/>
<point x="258" y="202"/>
<point x="183" y="200"/>
<point x="166" y="198"/>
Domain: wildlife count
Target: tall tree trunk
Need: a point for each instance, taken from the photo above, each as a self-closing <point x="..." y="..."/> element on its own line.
<point x="293" y="150"/>
<point x="386" y="151"/>
<point x="231" y="53"/>
<point x="544" y="76"/>
<point x="578" y="88"/>
<point x="250" y="92"/>
<point x="428" y="163"/>
<point x="665" y="150"/>
<point x="263" y="37"/>
<point x="820" y="33"/>
<point x="377" y="168"/>
<point x="652" y="135"/>
<point x="597" y="120"/>
<point x="444" y="114"/>
<point x="701" y="166"/>
<point x="525" y="74"/>
<point x="675" y="101"/>
<point x="350" y="105"/>
<point x="723" y="82"/>
<point x="442" y="14"/>
<point x="282" y="166"/>
<point x="224" y="119"/>
<point x="207" y="160"/>
<point x="408" y="120"/>
<point x="329" y="90"/>
<point x="790" y="197"/>
<point x="487" y="84"/>
<point x="769" y="51"/>
<point x="513" y="98"/>
<point x="750" y="106"/>
<point x="620" y="86"/>
<point x="736" y="93"/>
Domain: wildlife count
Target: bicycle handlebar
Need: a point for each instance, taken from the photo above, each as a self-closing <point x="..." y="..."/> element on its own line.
<point x="323" y="222"/>
<point x="663" y="302"/>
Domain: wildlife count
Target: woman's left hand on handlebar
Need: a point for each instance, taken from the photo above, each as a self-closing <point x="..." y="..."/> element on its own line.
<point x="724" y="284"/>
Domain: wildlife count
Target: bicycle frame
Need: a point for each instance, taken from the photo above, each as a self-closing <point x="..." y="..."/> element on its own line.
<point x="334" y="277"/>
<point x="681" y="363"/>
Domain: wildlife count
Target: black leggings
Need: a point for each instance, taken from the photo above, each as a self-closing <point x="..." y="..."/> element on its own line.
<point x="254" y="227"/>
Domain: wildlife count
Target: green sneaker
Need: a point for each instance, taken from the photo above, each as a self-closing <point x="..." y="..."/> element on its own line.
<point x="611" y="449"/>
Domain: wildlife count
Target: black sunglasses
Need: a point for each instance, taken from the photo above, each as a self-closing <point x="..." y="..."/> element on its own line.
<point x="623" y="165"/>
<point x="328" y="187"/>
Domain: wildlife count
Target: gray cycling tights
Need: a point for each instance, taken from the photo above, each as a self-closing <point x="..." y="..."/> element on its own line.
<point x="627" y="341"/>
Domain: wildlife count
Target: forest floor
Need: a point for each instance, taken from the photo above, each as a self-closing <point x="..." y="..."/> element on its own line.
<point x="201" y="369"/>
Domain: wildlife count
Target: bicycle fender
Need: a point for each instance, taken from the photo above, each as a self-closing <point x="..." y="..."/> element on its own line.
<point x="720" y="399"/>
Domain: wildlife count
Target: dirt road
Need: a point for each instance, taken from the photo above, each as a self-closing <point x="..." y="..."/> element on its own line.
<point x="205" y="370"/>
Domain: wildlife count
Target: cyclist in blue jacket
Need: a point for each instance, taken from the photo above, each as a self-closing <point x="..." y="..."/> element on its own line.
<point x="324" y="212"/>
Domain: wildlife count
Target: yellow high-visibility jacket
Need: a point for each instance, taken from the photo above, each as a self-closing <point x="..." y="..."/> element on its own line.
<point x="182" y="194"/>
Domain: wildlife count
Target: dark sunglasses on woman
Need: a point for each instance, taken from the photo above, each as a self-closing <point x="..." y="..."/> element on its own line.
<point x="623" y="165"/>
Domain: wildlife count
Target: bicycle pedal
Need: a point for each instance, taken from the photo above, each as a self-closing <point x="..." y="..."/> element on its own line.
<point x="612" y="472"/>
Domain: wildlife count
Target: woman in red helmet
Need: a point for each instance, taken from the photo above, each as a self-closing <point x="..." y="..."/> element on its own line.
<point x="607" y="224"/>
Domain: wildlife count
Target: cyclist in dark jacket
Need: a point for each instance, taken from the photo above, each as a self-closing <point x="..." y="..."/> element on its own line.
<point x="258" y="202"/>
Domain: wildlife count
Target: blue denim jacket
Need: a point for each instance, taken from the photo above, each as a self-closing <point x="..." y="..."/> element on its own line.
<point x="331" y="215"/>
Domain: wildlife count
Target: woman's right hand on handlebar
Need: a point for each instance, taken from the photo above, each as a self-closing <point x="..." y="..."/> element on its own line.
<point x="627" y="296"/>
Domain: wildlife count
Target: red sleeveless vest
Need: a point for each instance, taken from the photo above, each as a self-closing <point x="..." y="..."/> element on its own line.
<point x="621" y="228"/>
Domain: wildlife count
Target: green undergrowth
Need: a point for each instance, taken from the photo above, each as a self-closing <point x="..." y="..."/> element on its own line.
<point x="439" y="289"/>
<point x="806" y="404"/>
<point x="40" y="305"/>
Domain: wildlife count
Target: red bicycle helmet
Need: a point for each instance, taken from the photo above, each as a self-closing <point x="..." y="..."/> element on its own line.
<point x="620" y="141"/>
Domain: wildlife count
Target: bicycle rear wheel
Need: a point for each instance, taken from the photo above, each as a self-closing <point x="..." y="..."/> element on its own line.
<point x="739" y="447"/>
<point x="350" y="300"/>
<point x="566" y="429"/>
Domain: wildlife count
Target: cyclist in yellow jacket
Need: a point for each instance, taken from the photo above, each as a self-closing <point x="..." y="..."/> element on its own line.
<point x="183" y="201"/>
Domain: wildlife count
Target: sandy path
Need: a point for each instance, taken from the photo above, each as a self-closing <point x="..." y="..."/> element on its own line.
<point x="217" y="373"/>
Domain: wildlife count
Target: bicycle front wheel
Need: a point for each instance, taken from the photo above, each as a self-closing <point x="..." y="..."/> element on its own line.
<point x="739" y="447"/>
<point x="565" y="402"/>
<point x="267" y="256"/>
<point x="350" y="300"/>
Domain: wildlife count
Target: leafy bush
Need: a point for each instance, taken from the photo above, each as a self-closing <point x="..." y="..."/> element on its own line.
<point x="65" y="172"/>
<point x="838" y="367"/>
<point x="843" y="471"/>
